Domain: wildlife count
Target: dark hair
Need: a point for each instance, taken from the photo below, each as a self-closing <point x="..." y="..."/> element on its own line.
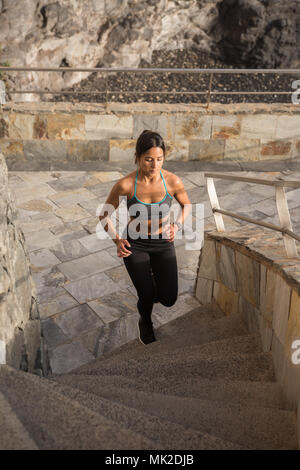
<point x="146" y="141"/>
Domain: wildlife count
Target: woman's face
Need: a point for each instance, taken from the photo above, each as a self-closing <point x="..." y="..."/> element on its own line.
<point x="151" y="161"/>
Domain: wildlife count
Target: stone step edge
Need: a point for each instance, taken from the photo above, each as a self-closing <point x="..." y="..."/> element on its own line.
<point x="288" y="415"/>
<point x="136" y="342"/>
<point x="204" y="310"/>
<point x="131" y="385"/>
<point x="20" y="432"/>
<point x="141" y="392"/>
<point x="153" y="356"/>
<point x="166" y="356"/>
<point x="65" y="388"/>
<point x="43" y="383"/>
<point x="242" y="356"/>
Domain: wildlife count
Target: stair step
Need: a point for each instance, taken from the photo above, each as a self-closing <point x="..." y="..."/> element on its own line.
<point x="173" y="336"/>
<point x="13" y="435"/>
<point x="244" y="344"/>
<point x="254" y="367"/>
<point x="243" y="425"/>
<point x="196" y="329"/>
<point x="203" y="315"/>
<point x="40" y="409"/>
<point x="167" y="434"/>
<point x="265" y="394"/>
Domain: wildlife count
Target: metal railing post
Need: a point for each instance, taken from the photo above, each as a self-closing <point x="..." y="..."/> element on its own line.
<point x="285" y="227"/>
<point x="214" y="202"/>
<point x="106" y="91"/>
<point x="2" y="92"/>
<point x="285" y="221"/>
<point x="209" y="90"/>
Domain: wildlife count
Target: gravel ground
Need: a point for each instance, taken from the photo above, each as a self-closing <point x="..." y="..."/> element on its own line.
<point x="137" y="83"/>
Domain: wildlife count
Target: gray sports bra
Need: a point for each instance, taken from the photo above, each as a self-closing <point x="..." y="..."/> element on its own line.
<point x="149" y="209"/>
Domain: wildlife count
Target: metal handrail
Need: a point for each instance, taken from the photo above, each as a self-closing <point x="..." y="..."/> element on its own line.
<point x="246" y="179"/>
<point x="144" y="70"/>
<point x="88" y="92"/>
<point x="285" y="228"/>
<point x="107" y="70"/>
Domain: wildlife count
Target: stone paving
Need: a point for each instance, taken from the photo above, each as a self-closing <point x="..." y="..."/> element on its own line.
<point x="86" y="299"/>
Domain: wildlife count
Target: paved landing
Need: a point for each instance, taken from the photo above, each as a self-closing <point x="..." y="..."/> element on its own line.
<point x="86" y="299"/>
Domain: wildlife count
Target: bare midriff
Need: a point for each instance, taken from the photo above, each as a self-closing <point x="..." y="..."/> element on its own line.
<point x="144" y="226"/>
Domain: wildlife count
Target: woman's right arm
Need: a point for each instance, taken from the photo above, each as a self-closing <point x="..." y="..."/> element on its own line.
<point x="119" y="189"/>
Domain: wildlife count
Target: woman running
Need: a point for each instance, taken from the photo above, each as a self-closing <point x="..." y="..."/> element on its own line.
<point x="147" y="244"/>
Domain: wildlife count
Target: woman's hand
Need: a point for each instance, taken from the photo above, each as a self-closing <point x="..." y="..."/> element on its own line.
<point x="171" y="231"/>
<point x="122" y="251"/>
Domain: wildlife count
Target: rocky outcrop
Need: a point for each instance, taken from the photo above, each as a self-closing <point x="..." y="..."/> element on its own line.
<point x="21" y="344"/>
<point x="123" y="32"/>
<point x="257" y="33"/>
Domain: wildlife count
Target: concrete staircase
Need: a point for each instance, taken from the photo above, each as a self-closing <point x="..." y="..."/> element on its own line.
<point x="205" y="384"/>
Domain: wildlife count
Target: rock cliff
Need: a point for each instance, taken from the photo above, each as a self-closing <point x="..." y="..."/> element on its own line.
<point x="247" y="33"/>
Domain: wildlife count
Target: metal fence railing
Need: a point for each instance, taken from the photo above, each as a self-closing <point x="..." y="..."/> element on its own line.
<point x="209" y="92"/>
<point x="285" y="227"/>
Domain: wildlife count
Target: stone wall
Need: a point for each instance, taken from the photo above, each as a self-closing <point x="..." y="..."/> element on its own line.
<point x="58" y="136"/>
<point x="21" y="344"/>
<point x="240" y="272"/>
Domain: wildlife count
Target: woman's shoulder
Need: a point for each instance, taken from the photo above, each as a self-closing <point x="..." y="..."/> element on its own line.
<point x="171" y="179"/>
<point x="125" y="184"/>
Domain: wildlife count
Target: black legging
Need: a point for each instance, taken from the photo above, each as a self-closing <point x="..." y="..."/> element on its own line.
<point x="159" y="256"/>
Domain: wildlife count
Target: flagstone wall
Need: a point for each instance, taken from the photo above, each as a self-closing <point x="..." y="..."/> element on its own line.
<point x="21" y="344"/>
<point x="58" y="136"/>
<point x="246" y="271"/>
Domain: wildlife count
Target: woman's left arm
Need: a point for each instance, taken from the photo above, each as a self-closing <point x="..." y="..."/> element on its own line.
<point x="181" y="196"/>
